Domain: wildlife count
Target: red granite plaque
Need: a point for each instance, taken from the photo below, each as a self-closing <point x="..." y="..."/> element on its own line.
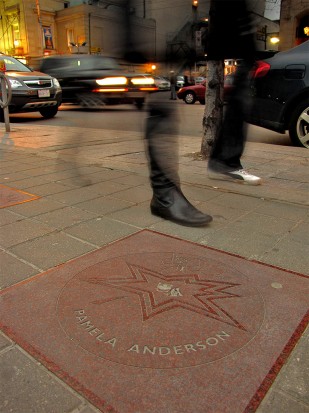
<point x="152" y="324"/>
<point x="12" y="196"/>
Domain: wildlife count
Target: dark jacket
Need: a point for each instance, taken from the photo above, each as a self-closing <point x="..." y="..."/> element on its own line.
<point x="231" y="33"/>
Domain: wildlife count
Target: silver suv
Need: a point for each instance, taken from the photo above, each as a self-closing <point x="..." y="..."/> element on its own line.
<point x="31" y="91"/>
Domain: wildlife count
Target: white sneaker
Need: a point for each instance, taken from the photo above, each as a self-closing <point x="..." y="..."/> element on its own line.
<point x="240" y="176"/>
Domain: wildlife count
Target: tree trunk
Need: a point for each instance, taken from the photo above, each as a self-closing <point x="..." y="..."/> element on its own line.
<point x="213" y="114"/>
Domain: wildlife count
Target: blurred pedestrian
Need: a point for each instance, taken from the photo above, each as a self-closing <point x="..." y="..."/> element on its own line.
<point x="173" y="85"/>
<point x="231" y="36"/>
<point x="161" y="141"/>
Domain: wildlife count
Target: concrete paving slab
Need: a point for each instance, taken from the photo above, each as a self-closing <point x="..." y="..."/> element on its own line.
<point x="4" y="342"/>
<point x="50" y="250"/>
<point x="48" y="188"/>
<point x="28" y="182"/>
<point x="40" y="206"/>
<point x="25" y="388"/>
<point x="13" y="270"/>
<point x="12" y="196"/>
<point x="288" y="254"/>
<point x="7" y="177"/>
<point x="22" y="231"/>
<point x="65" y="217"/>
<point x="101" y="231"/>
<point x="7" y="217"/>
<point x="155" y="324"/>
<point x="104" y="205"/>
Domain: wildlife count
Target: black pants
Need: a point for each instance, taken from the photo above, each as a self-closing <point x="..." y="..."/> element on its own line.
<point x="229" y="146"/>
<point x="161" y="139"/>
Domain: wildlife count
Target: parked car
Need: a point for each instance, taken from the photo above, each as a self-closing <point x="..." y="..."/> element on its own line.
<point x="198" y="80"/>
<point x="191" y="94"/>
<point x="280" y="92"/>
<point x="162" y="83"/>
<point x="94" y="80"/>
<point x="32" y="91"/>
<point x="180" y="82"/>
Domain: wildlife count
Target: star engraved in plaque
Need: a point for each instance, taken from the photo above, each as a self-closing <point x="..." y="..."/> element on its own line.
<point x="140" y="310"/>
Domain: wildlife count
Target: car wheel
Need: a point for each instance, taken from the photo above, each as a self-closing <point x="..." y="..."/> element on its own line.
<point x="190" y="98"/>
<point x="299" y="125"/>
<point x="202" y="102"/>
<point x="50" y="112"/>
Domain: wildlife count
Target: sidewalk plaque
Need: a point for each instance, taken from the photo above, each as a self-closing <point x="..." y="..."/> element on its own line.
<point x="12" y="196"/>
<point x="150" y="312"/>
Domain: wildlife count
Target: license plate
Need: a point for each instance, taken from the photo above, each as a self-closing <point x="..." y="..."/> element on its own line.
<point x="43" y="93"/>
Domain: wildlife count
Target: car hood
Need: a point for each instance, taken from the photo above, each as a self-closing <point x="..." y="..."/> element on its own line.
<point x="28" y="75"/>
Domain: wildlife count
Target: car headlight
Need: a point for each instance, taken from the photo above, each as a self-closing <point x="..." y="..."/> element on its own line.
<point x="143" y="81"/>
<point x="112" y="81"/>
<point x="56" y="82"/>
<point x="15" y="83"/>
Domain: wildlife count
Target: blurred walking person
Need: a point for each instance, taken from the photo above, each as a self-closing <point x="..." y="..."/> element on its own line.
<point x="161" y="142"/>
<point x="173" y="85"/>
<point x="231" y="17"/>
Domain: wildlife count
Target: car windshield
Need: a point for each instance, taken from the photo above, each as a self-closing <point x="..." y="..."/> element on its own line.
<point x="76" y="63"/>
<point x="14" y="65"/>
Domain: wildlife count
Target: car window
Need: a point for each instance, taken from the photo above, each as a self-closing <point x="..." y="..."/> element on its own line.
<point x="14" y="65"/>
<point x="77" y="63"/>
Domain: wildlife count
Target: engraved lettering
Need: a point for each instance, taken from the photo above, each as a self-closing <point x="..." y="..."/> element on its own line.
<point x="80" y="312"/>
<point x="94" y="332"/>
<point x="200" y="345"/>
<point x="88" y="325"/>
<point x="148" y="350"/>
<point x="178" y="349"/>
<point x="212" y="341"/>
<point x="164" y="351"/>
<point x="100" y="336"/>
<point x="83" y="318"/>
<point x="134" y="348"/>
<point x="189" y="347"/>
<point x="111" y="341"/>
<point x="222" y="335"/>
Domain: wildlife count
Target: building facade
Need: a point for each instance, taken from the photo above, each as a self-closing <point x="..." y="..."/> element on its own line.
<point x="294" y="23"/>
<point x="32" y="28"/>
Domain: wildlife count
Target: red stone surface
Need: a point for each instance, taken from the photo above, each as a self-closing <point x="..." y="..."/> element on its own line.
<point x="10" y="196"/>
<point x="154" y="324"/>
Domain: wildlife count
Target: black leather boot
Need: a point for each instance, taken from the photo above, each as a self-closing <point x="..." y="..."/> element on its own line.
<point x="171" y="204"/>
<point x="168" y="201"/>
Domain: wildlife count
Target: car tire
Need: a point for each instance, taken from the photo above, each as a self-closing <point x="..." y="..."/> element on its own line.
<point x="50" y="112"/>
<point x="202" y="102"/>
<point x="190" y="98"/>
<point x="299" y="125"/>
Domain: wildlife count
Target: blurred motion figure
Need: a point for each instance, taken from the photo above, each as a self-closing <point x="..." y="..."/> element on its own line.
<point x="232" y="17"/>
<point x="161" y="143"/>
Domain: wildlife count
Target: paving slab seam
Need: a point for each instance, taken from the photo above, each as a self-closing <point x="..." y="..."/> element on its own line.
<point x="250" y="195"/>
<point x="53" y="376"/>
<point x="22" y="260"/>
<point x="278" y="366"/>
<point x="9" y="347"/>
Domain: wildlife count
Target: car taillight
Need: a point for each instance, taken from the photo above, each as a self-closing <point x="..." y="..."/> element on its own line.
<point x="261" y="69"/>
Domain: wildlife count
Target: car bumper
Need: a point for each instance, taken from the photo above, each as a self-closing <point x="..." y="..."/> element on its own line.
<point x="31" y="103"/>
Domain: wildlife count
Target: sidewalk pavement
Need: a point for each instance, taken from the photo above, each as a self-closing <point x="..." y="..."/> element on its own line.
<point x="93" y="189"/>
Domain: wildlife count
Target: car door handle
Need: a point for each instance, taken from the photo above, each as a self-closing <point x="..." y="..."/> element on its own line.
<point x="294" y="71"/>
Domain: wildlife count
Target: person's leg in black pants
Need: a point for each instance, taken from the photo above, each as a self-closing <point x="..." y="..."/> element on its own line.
<point x="161" y="141"/>
<point x="225" y="158"/>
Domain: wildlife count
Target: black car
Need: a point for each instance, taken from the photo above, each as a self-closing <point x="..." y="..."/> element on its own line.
<point x="280" y="91"/>
<point x="32" y="91"/>
<point x="95" y="80"/>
